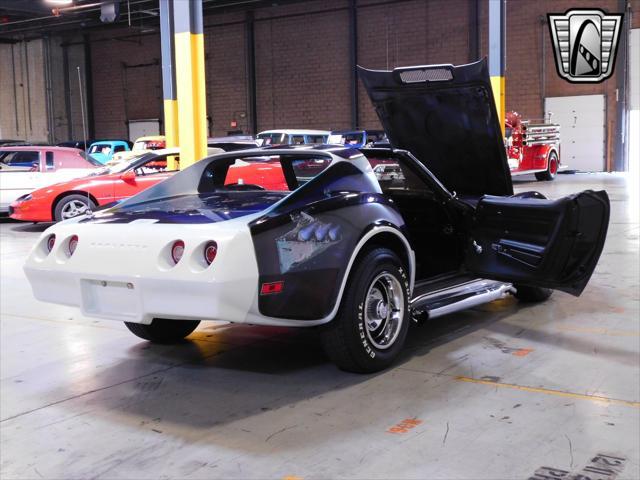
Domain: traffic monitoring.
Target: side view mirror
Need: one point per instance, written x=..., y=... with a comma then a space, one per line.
x=129, y=176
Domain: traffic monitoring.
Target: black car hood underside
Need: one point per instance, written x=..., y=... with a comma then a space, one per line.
x=446, y=117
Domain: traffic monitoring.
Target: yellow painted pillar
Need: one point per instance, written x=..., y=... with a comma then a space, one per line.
x=498, y=87
x=498, y=54
x=190, y=80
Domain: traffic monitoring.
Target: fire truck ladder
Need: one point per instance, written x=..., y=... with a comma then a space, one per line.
x=540, y=133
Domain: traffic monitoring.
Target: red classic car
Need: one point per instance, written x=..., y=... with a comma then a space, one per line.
x=532, y=147
x=112, y=184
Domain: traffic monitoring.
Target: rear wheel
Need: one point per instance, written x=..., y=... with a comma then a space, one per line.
x=163, y=330
x=530, y=294
x=370, y=329
x=71, y=206
x=552, y=168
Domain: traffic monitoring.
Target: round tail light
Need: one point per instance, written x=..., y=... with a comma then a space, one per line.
x=210, y=252
x=177, y=250
x=51, y=241
x=73, y=243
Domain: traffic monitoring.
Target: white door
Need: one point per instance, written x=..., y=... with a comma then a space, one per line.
x=581, y=120
x=143, y=128
x=634, y=102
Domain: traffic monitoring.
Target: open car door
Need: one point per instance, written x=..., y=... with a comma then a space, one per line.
x=545, y=243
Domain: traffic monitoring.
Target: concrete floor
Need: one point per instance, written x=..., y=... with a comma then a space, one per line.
x=497, y=392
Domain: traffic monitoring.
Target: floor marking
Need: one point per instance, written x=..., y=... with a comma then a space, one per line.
x=560, y=393
x=598, y=331
x=522, y=352
x=404, y=425
x=600, y=467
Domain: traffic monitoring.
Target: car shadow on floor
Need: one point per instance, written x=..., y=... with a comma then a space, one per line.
x=227, y=374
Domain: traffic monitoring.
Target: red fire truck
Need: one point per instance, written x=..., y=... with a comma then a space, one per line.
x=532, y=147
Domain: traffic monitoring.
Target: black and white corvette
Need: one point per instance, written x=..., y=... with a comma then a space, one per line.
x=333, y=247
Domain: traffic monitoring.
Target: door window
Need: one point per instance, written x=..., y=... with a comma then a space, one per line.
x=21, y=158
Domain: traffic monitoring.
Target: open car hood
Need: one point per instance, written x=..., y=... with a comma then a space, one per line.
x=446, y=117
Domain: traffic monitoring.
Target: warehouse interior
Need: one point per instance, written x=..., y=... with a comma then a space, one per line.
x=502, y=390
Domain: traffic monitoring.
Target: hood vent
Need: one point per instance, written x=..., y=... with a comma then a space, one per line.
x=426, y=75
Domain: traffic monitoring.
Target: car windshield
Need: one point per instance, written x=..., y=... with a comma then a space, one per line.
x=90, y=159
x=118, y=167
x=100, y=148
x=148, y=145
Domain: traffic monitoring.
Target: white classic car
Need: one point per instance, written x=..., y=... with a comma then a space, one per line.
x=25, y=169
x=317, y=241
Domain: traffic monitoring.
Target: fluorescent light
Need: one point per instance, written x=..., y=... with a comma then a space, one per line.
x=59, y=2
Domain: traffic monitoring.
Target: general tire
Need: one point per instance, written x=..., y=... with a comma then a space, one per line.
x=68, y=203
x=163, y=330
x=552, y=168
x=346, y=339
x=529, y=294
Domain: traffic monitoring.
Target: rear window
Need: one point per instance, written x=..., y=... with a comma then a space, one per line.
x=316, y=139
x=49, y=161
x=281, y=173
x=274, y=138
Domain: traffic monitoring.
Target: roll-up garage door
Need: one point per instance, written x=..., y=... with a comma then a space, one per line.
x=581, y=120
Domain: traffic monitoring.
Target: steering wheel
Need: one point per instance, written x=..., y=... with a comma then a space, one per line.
x=243, y=187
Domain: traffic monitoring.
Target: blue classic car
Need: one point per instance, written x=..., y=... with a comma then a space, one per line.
x=104, y=150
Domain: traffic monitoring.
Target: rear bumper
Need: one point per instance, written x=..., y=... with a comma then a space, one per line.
x=140, y=300
x=121, y=272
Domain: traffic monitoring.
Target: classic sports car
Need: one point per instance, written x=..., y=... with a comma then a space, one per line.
x=335, y=250
x=113, y=184
x=106, y=185
x=24, y=169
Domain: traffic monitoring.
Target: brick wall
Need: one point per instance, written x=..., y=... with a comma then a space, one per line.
x=302, y=69
x=127, y=83
x=226, y=75
x=409, y=33
x=302, y=62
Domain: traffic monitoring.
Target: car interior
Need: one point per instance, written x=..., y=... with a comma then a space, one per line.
x=439, y=249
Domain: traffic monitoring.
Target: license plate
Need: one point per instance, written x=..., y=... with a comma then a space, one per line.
x=109, y=299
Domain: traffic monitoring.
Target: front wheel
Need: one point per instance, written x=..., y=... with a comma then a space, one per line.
x=528, y=294
x=552, y=168
x=371, y=326
x=72, y=206
x=163, y=330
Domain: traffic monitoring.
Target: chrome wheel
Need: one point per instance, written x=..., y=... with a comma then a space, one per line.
x=73, y=208
x=383, y=310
